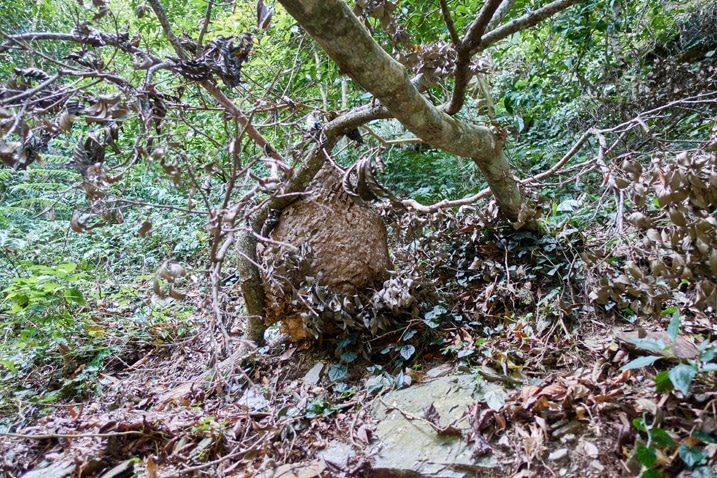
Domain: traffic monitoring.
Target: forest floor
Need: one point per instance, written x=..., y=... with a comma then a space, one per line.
x=195, y=407
x=147, y=421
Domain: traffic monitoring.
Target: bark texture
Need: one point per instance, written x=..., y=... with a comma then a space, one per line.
x=332, y=24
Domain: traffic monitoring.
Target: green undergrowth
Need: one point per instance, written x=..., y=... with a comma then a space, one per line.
x=62, y=326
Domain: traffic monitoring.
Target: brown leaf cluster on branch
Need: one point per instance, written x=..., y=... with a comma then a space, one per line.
x=675, y=235
x=383, y=11
x=222, y=57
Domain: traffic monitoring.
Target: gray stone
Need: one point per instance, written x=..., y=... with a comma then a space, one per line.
x=313, y=376
x=53, y=470
x=558, y=454
x=337, y=454
x=412, y=448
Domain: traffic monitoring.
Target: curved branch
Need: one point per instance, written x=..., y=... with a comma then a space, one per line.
x=161, y=14
x=445, y=204
x=212, y=88
x=332, y=24
x=446, y=12
x=28, y=93
x=470, y=42
x=526, y=21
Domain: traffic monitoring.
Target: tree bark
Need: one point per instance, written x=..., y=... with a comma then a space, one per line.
x=332, y=24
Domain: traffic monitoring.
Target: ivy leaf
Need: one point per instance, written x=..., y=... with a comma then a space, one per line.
x=705, y=437
x=691, y=455
x=409, y=334
x=495, y=399
x=646, y=456
x=703, y=472
x=681, y=377
x=432, y=317
x=407, y=351
x=640, y=362
x=338, y=372
x=349, y=356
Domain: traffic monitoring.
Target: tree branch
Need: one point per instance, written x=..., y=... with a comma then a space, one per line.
x=205, y=25
x=499, y=15
x=470, y=41
x=332, y=24
x=213, y=89
x=446, y=12
x=526, y=21
x=164, y=22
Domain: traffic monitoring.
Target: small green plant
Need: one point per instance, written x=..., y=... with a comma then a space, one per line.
x=47, y=293
x=693, y=451
x=650, y=455
x=318, y=408
x=681, y=375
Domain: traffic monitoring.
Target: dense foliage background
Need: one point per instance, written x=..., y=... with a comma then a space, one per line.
x=77, y=268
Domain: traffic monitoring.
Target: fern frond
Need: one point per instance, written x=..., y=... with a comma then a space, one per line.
x=56, y=174
x=38, y=187
x=55, y=159
x=29, y=202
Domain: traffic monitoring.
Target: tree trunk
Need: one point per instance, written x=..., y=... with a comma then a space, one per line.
x=332, y=24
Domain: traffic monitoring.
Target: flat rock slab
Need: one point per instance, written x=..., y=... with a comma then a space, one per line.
x=412, y=448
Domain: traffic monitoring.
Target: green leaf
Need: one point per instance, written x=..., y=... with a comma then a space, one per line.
x=67, y=267
x=409, y=334
x=407, y=351
x=705, y=437
x=663, y=384
x=640, y=362
x=708, y=355
x=674, y=328
x=681, y=377
x=646, y=456
x=649, y=344
x=661, y=438
x=703, y=472
x=349, y=356
x=74, y=295
x=709, y=367
x=639, y=423
x=652, y=474
x=691, y=455
x=338, y=372
x=432, y=317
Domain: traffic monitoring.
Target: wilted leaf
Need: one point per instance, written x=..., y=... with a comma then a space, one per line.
x=263, y=15
x=145, y=228
x=495, y=398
